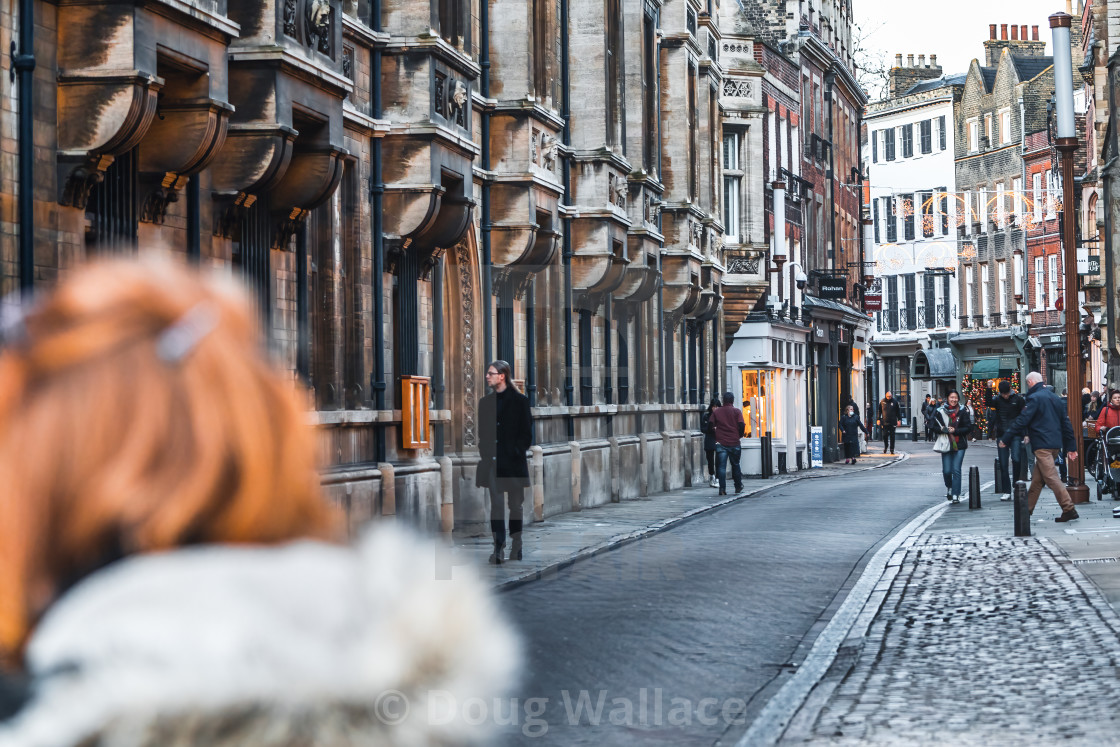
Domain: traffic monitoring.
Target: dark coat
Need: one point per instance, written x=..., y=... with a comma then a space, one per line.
x=960, y=431
x=1005, y=411
x=889, y=412
x=708, y=431
x=1045, y=420
x=850, y=426
x=505, y=433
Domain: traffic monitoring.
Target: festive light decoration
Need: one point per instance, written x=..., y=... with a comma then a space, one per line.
x=978, y=394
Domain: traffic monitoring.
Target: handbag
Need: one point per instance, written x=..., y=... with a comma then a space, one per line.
x=942, y=444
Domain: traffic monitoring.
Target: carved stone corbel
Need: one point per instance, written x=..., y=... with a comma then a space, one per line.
x=229, y=214
x=80, y=180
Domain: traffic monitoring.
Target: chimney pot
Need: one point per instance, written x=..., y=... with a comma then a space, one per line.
x=898, y=60
x=1034, y=33
x=921, y=60
x=933, y=60
x=992, y=31
x=1003, y=31
x=1014, y=33
x=1023, y=34
x=909, y=60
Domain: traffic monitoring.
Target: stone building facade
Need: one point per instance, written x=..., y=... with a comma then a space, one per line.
x=411, y=189
x=1003, y=102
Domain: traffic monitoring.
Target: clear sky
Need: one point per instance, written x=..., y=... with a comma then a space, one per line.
x=954, y=30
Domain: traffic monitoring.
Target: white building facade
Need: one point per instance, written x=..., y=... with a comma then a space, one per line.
x=909, y=158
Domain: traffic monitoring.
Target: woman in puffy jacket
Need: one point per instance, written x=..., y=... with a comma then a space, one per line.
x=955, y=422
x=850, y=426
x=171, y=572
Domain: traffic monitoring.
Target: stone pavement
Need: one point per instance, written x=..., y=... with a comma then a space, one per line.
x=974, y=636
x=561, y=540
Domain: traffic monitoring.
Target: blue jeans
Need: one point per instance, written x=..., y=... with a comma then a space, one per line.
x=722, y=454
x=1014, y=450
x=951, y=470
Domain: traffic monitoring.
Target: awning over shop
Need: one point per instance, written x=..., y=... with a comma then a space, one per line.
x=994, y=368
x=935, y=363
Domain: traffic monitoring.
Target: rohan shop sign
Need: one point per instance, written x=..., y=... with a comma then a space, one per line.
x=834, y=289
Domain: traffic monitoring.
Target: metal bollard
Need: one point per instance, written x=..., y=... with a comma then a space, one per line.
x=973, y=487
x=1000, y=488
x=1022, y=514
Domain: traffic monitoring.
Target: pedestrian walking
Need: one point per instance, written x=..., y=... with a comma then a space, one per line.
x=505, y=433
x=927, y=417
x=890, y=415
x=1003, y=409
x=170, y=570
x=954, y=422
x=710, y=441
x=850, y=426
x=1046, y=422
x=728, y=426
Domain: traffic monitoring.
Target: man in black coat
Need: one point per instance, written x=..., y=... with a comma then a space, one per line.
x=1002, y=411
x=505, y=433
x=889, y=417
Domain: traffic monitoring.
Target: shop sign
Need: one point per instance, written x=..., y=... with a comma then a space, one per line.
x=835, y=289
x=873, y=302
x=1082, y=261
x=820, y=333
x=1094, y=266
x=816, y=441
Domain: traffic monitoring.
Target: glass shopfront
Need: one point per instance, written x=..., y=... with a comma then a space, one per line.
x=761, y=395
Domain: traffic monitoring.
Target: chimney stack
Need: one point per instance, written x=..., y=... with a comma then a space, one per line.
x=992, y=31
x=921, y=60
x=1014, y=33
x=1003, y=31
x=909, y=60
x=1034, y=33
x=898, y=60
x=933, y=60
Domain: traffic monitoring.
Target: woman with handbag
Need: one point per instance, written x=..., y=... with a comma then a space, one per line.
x=952, y=424
x=850, y=426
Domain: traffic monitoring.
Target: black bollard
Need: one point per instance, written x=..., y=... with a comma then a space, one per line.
x=1000, y=488
x=973, y=487
x=1022, y=515
x=767, y=456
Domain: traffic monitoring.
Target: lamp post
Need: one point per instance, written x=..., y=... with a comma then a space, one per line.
x=779, y=254
x=1067, y=146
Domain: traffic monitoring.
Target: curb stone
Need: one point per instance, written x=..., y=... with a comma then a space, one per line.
x=624, y=539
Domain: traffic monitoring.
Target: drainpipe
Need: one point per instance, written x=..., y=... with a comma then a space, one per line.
x=487, y=298
x=23, y=66
x=194, y=220
x=438, y=386
x=566, y=134
x=377, y=193
x=829, y=82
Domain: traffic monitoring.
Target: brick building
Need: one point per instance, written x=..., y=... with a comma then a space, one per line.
x=1003, y=102
x=410, y=189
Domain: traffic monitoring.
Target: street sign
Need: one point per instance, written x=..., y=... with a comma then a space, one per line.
x=835, y=289
x=816, y=440
x=873, y=302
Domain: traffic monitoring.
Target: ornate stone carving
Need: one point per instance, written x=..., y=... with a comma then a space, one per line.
x=290, y=18
x=737, y=88
x=430, y=263
x=348, y=62
x=736, y=47
x=439, y=100
x=466, y=287
x=319, y=25
x=534, y=151
x=743, y=266
x=75, y=193
x=154, y=209
x=457, y=100
x=651, y=208
x=549, y=148
x=287, y=228
x=229, y=215
x=616, y=186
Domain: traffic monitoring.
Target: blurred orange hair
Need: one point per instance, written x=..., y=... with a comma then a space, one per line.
x=107, y=449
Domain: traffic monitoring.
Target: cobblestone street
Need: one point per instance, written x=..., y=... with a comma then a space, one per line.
x=981, y=640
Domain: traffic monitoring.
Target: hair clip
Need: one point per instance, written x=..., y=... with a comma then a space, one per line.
x=177, y=341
